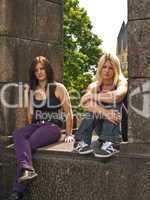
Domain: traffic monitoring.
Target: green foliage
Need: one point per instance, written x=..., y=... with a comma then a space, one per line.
x=81, y=47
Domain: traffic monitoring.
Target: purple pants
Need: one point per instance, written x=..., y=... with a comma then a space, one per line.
x=27, y=140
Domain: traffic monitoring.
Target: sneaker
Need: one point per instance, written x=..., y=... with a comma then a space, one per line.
x=27, y=175
x=107, y=150
x=82, y=148
x=15, y=196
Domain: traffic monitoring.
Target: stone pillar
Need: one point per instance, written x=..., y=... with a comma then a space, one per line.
x=139, y=76
x=27, y=28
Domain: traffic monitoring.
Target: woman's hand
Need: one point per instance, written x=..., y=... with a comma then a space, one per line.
x=112, y=115
x=69, y=138
x=88, y=97
x=85, y=99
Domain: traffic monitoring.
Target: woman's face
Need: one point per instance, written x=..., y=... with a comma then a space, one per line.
x=108, y=71
x=40, y=72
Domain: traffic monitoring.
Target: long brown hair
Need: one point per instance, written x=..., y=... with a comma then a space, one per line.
x=33, y=82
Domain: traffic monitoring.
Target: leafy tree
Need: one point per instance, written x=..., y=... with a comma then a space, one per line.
x=81, y=47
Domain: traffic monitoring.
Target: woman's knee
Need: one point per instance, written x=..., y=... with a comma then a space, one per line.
x=57, y=134
x=54, y=133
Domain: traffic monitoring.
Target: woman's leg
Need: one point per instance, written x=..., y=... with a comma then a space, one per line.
x=23, y=152
x=109, y=140
x=83, y=135
x=98, y=130
x=22, y=146
x=48, y=133
x=98, y=126
x=84, y=132
x=110, y=134
x=40, y=135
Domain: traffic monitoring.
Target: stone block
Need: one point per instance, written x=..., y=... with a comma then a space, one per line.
x=37, y=20
x=66, y=176
x=139, y=48
x=17, y=55
x=138, y=9
x=1, y=174
x=11, y=118
x=15, y=59
x=49, y=22
x=139, y=110
x=16, y=17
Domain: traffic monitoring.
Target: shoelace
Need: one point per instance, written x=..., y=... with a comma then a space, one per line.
x=107, y=146
x=81, y=145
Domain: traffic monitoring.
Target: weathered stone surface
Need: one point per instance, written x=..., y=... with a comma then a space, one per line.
x=138, y=9
x=15, y=59
x=17, y=55
x=66, y=176
x=16, y=17
x=49, y=21
x=11, y=118
x=37, y=20
x=56, y=1
x=1, y=181
x=139, y=48
x=139, y=110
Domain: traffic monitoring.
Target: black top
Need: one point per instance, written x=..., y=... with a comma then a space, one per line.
x=47, y=110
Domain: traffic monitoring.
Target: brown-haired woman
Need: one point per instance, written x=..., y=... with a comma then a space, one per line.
x=46, y=99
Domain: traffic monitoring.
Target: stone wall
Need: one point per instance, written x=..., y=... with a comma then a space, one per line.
x=68, y=176
x=123, y=177
x=27, y=28
x=139, y=75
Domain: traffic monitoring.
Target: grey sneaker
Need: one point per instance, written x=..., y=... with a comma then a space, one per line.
x=107, y=150
x=82, y=148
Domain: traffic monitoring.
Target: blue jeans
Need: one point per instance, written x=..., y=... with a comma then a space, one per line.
x=105, y=130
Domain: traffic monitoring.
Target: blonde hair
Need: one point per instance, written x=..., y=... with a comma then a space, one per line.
x=118, y=77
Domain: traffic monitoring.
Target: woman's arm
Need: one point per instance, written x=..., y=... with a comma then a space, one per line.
x=62, y=94
x=90, y=92
x=29, y=116
x=28, y=104
x=114, y=95
x=110, y=114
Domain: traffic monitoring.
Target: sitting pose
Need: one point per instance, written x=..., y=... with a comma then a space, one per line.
x=46, y=99
x=103, y=101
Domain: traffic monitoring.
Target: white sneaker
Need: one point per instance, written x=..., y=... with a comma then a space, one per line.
x=82, y=148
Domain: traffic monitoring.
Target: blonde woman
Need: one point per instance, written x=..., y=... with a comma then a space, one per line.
x=103, y=101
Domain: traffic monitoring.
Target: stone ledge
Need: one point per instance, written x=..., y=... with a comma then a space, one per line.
x=65, y=176
x=43, y=21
